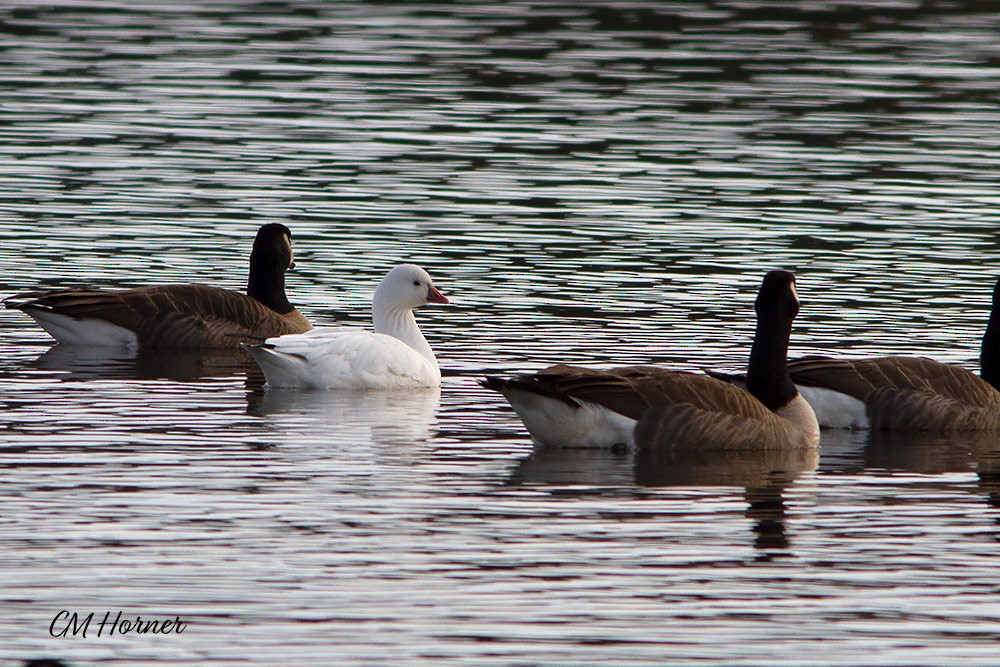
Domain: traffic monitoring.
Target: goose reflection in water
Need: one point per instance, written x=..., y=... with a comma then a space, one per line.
x=81, y=362
x=934, y=454
x=763, y=475
x=349, y=418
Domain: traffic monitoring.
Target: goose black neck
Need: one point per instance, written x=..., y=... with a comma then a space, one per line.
x=267, y=280
x=767, y=373
x=989, y=356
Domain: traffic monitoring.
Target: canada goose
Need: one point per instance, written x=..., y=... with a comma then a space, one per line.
x=570, y=406
x=903, y=393
x=177, y=315
x=395, y=356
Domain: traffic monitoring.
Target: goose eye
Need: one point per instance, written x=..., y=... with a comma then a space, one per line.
x=416, y=283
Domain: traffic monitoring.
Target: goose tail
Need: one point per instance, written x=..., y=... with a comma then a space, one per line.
x=280, y=369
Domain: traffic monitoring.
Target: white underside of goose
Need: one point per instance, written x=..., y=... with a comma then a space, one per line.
x=834, y=409
x=558, y=424
x=72, y=331
x=344, y=359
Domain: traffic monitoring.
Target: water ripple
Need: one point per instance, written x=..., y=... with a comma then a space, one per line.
x=587, y=184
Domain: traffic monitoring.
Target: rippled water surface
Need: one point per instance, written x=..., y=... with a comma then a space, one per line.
x=589, y=182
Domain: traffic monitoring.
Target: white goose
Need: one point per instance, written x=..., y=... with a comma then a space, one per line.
x=395, y=356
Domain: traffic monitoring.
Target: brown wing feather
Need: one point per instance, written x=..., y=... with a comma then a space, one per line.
x=631, y=390
x=862, y=377
x=673, y=409
x=683, y=426
x=172, y=315
x=906, y=409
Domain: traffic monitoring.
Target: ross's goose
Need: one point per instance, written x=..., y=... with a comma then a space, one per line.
x=395, y=356
x=181, y=315
x=580, y=407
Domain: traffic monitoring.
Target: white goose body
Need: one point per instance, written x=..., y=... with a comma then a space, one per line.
x=344, y=359
x=393, y=356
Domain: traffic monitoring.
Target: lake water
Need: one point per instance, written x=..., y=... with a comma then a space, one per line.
x=588, y=182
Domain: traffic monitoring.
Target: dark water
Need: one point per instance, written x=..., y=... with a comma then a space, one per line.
x=589, y=182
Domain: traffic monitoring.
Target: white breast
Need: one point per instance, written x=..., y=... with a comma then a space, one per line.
x=801, y=414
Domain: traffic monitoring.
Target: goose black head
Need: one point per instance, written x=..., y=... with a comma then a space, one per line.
x=270, y=258
x=777, y=295
x=273, y=246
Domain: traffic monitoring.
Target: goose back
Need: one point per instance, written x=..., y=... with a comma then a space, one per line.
x=895, y=409
x=861, y=377
x=907, y=393
x=632, y=390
